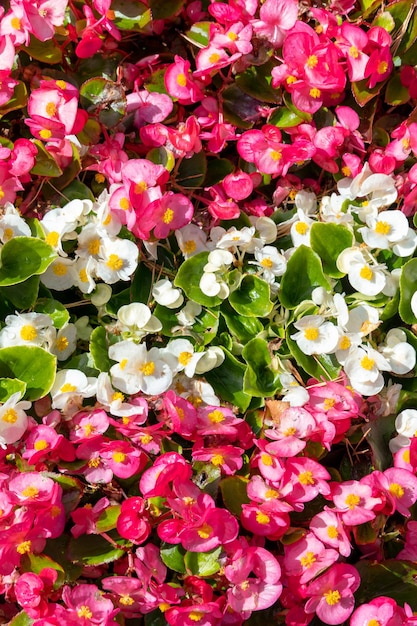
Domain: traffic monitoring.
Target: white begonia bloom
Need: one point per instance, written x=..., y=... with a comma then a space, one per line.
x=119, y=259
x=347, y=341
x=406, y=427
x=27, y=329
x=90, y=241
x=271, y=262
x=65, y=342
x=365, y=277
x=234, y=238
x=363, y=319
x=187, y=359
x=71, y=386
x=12, y=225
x=13, y=419
x=300, y=229
x=293, y=392
x=139, y=370
x=84, y=270
x=219, y=261
x=211, y=282
x=212, y=285
x=101, y=295
x=195, y=390
x=136, y=320
x=191, y=240
x=363, y=366
x=165, y=294
x=400, y=355
x=76, y=211
x=315, y=336
x=187, y=316
x=60, y=275
x=212, y=358
x=104, y=217
x=114, y=401
x=379, y=190
x=413, y=303
x=406, y=247
x=331, y=304
x=265, y=228
x=387, y=228
x=306, y=201
x=332, y=210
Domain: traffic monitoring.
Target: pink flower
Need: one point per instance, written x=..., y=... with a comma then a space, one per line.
x=354, y=502
x=32, y=591
x=205, y=614
x=268, y=519
x=277, y=17
x=155, y=480
x=379, y=66
x=44, y=15
x=179, y=84
x=149, y=107
x=328, y=527
x=330, y=596
x=89, y=605
x=87, y=425
x=133, y=522
x=85, y=518
x=382, y=611
x=307, y=478
x=307, y=557
x=227, y=458
x=44, y=443
x=171, y=212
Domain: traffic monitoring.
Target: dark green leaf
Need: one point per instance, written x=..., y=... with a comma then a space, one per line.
x=45, y=164
x=252, y=297
x=408, y=286
x=33, y=365
x=99, y=349
x=95, y=550
x=363, y=94
x=56, y=311
x=131, y=14
x=255, y=84
x=164, y=9
x=37, y=562
x=217, y=169
x=173, y=557
x=57, y=550
x=22, y=257
x=260, y=378
x=104, y=98
x=17, y=101
x=199, y=33
x=46, y=51
x=23, y=295
x=203, y=563
x=284, y=118
x=318, y=366
x=304, y=273
x=108, y=518
x=192, y=172
x=328, y=240
x=244, y=328
x=234, y=493
x=227, y=381
x=396, y=93
x=392, y=578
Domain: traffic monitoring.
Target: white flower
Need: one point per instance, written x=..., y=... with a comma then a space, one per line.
x=27, y=329
x=405, y=247
x=65, y=342
x=71, y=386
x=212, y=285
x=234, y=238
x=187, y=316
x=332, y=210
x=114, y=401
x=166, y=295
x=13, y=419
x=213, y=357
x=315, y=336
x=364, y=276
x=211, y=282
x=136, y=320
x=300, y=229
x=191, y=240
x=101, y=295
x=187, y=359
x=271, y=262
x=306, y=201
x=12, y=225
x=119, y=259
x=139, y=370
x=219, y=261
x=379, y=190
x=363, y=366
x=406, y=426
x=60, y=275
x=195, y=390
x=293, y=392
x=84, y=270
x=387, y=228
x=400, y=355
x=363, y=319
x=266, y=228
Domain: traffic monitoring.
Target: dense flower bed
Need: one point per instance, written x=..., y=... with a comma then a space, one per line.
x=208, y=301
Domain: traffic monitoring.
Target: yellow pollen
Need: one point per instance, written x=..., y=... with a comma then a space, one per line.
x=41, y=444
x=84, y=611
x=8, y=232
x=24, y=547
x=217, y=459
x=291, y=80
x=406, y=144
x=185, y=357
x=352, y=500
x=55, y=511
x=107, y=220
x=262, y=518
x=28, y=332
x=164, y=606
x=319, y=29
x=276, y=155
x=267, y=263
x=315, y=93
x=301, y=228
x=51, y=109
x=213, y=58
x=196, y=616
x=30, y=492
x=205, y=531
x=353, y=52
x=59, y=269
x=308, y=560
x=367, y=363
x=396, y=490
x=15, y=23
x=406, y=455
x=344, y=343
x=115, y=263
x=148, y=368
x=311, y=333
x=94, y=462
x=290, y=431
x=188, y=247
x=123, y=364
x=119, y=457
x=168, y=216
x=126, y=600
x=332, y=532
x=232, y=36
x=117, y=396
x=266, y=459
x=68, y=388
x=52, y=238
x=99, y=178
x=328, y=403
x=94, y=246
x=140, y=187
x=89, y=429
x=83, y=275
x=216, y=417
x=271, y=494
x=382, y=67
x=145, y=439
x=366, y=273
x=346, y=171
x=45, y=133
x=62, y=344
x=125, y=420
x=382, y=228
x=306, y=478
x=61, y=84
x=124, y=203
x=180, y=413
x=181, y=80
x=9, y=416
x=374, y=622
x=312, y=61
x=332, y=597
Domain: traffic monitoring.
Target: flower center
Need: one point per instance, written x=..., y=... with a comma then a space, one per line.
x=353, y=52
x=41, y=444
x=308, y=560
x=30, y=492
x=52, y=238
x=59, y=269
x=396, y=490
x=196, y=616
x=216, y=417
x=119, y=457
x=114, y=263
x=181, y=80
x=382, y=67
x=94, y=246
x=84, y=611
x=45, y=133
x=168, y=216
x=148, y=368
x=311, y=333
x=312, y=61
x=301, y=228
x=189, y=246
x=332, y=597
x=352, y=500
x=276, y=155
x=68, y=388
x=315, y=93
x=382, y=228
x=9, y=416
x=344, y=343
x=51, y=109
x=24, y=547
x=126, y=600
x=217, y=459
x=185, y=357
x=367, y=363
x=205, y=531
x=262, y=518
x=62, y=344
x=28, y=332
x=332, y=532
x=267, y=263
x=306, y=478
x=328, y=403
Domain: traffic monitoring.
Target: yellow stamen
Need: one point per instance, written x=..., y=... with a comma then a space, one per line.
x=367, y=363
x=311, y=333
x=114, y=263
x=148, y=368
x=168, y=216
x=306, y=478
x=59, y=269
x=308, y=560
x=52, y=238
x=9, y=416
x=332, y=597
x=28, y=332
x=382, y=228
x=216, y=417
x=301, y=228
x=262, y=518
x=352, y=500
x=205, y=531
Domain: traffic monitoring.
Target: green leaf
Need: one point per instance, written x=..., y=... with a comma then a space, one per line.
x=188, y=278
x=252, y=297
x=362, y=93
x=32, y=365
x=285, y=118
x=203, y=563
x=108, y=518
x=99, y=349
x=392, y=578
x=255, y=84
x=244, y=328
x=173, y=557
x=307, y=117
x=70, y=172
x=131, y=14
x=22, y=257
x=105, y=99
x=408, y=286
x=21, y=619
x=141, y=287
x=95, y=550
x=304, y=273
x=9, y=386
x=17, y=101
x=400, y=12
x=22, y=295
x=260, y=378
x=396, y=93
x=37, y=562
x=318, y=366
x=234, y=493
x=90, y=134
x=155, y=618
x=199, y=34
x=240, y=108
x=328, y=240
x=164, y=9
x=45, y=164
x=217, y=169
x=72, y=489
x=227, y=381
x=385, y=20
x=57, y=549
x=162, y=156
x=192, y=172
x=56, y=311
x=46, y=51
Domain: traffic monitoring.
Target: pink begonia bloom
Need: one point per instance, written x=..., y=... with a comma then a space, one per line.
x=33, y=591
x=222, y=207
x=397, y=488
x=96, y=469
x=179, y=83
x=206, y=614
x=269, y=519
x=252, y=593
x=33, y=489
x=351, y=41
x=7, y=89
x=7, y=54
x=227, y=458
x=44, y=15
x=148, y=564
x=269, y=463
x=141, y=177
x=238, y=185
x=216, y=420
x=9, y=185
x=328, y=527
x=277, y=17
x=122, y=458
x=44, y=443
x=133, y=522
x=382, y=611
x=16, y=25
x=182, y=415
x=172, y=211
x=88, y=604
x=22, y=159
x=354, y=502
x=265, y=149
x=237, y=38
x=85, y=518
x=56, y=101
x=86, y=425
x=155, y=481
x=307, y=478
x=111, y=157
x=291, y=433
x=331, y=595
x=17, y=541
x=307, y=557
x=184, y=140
x=409, y=552
x=149, y=107
x=379, y=66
